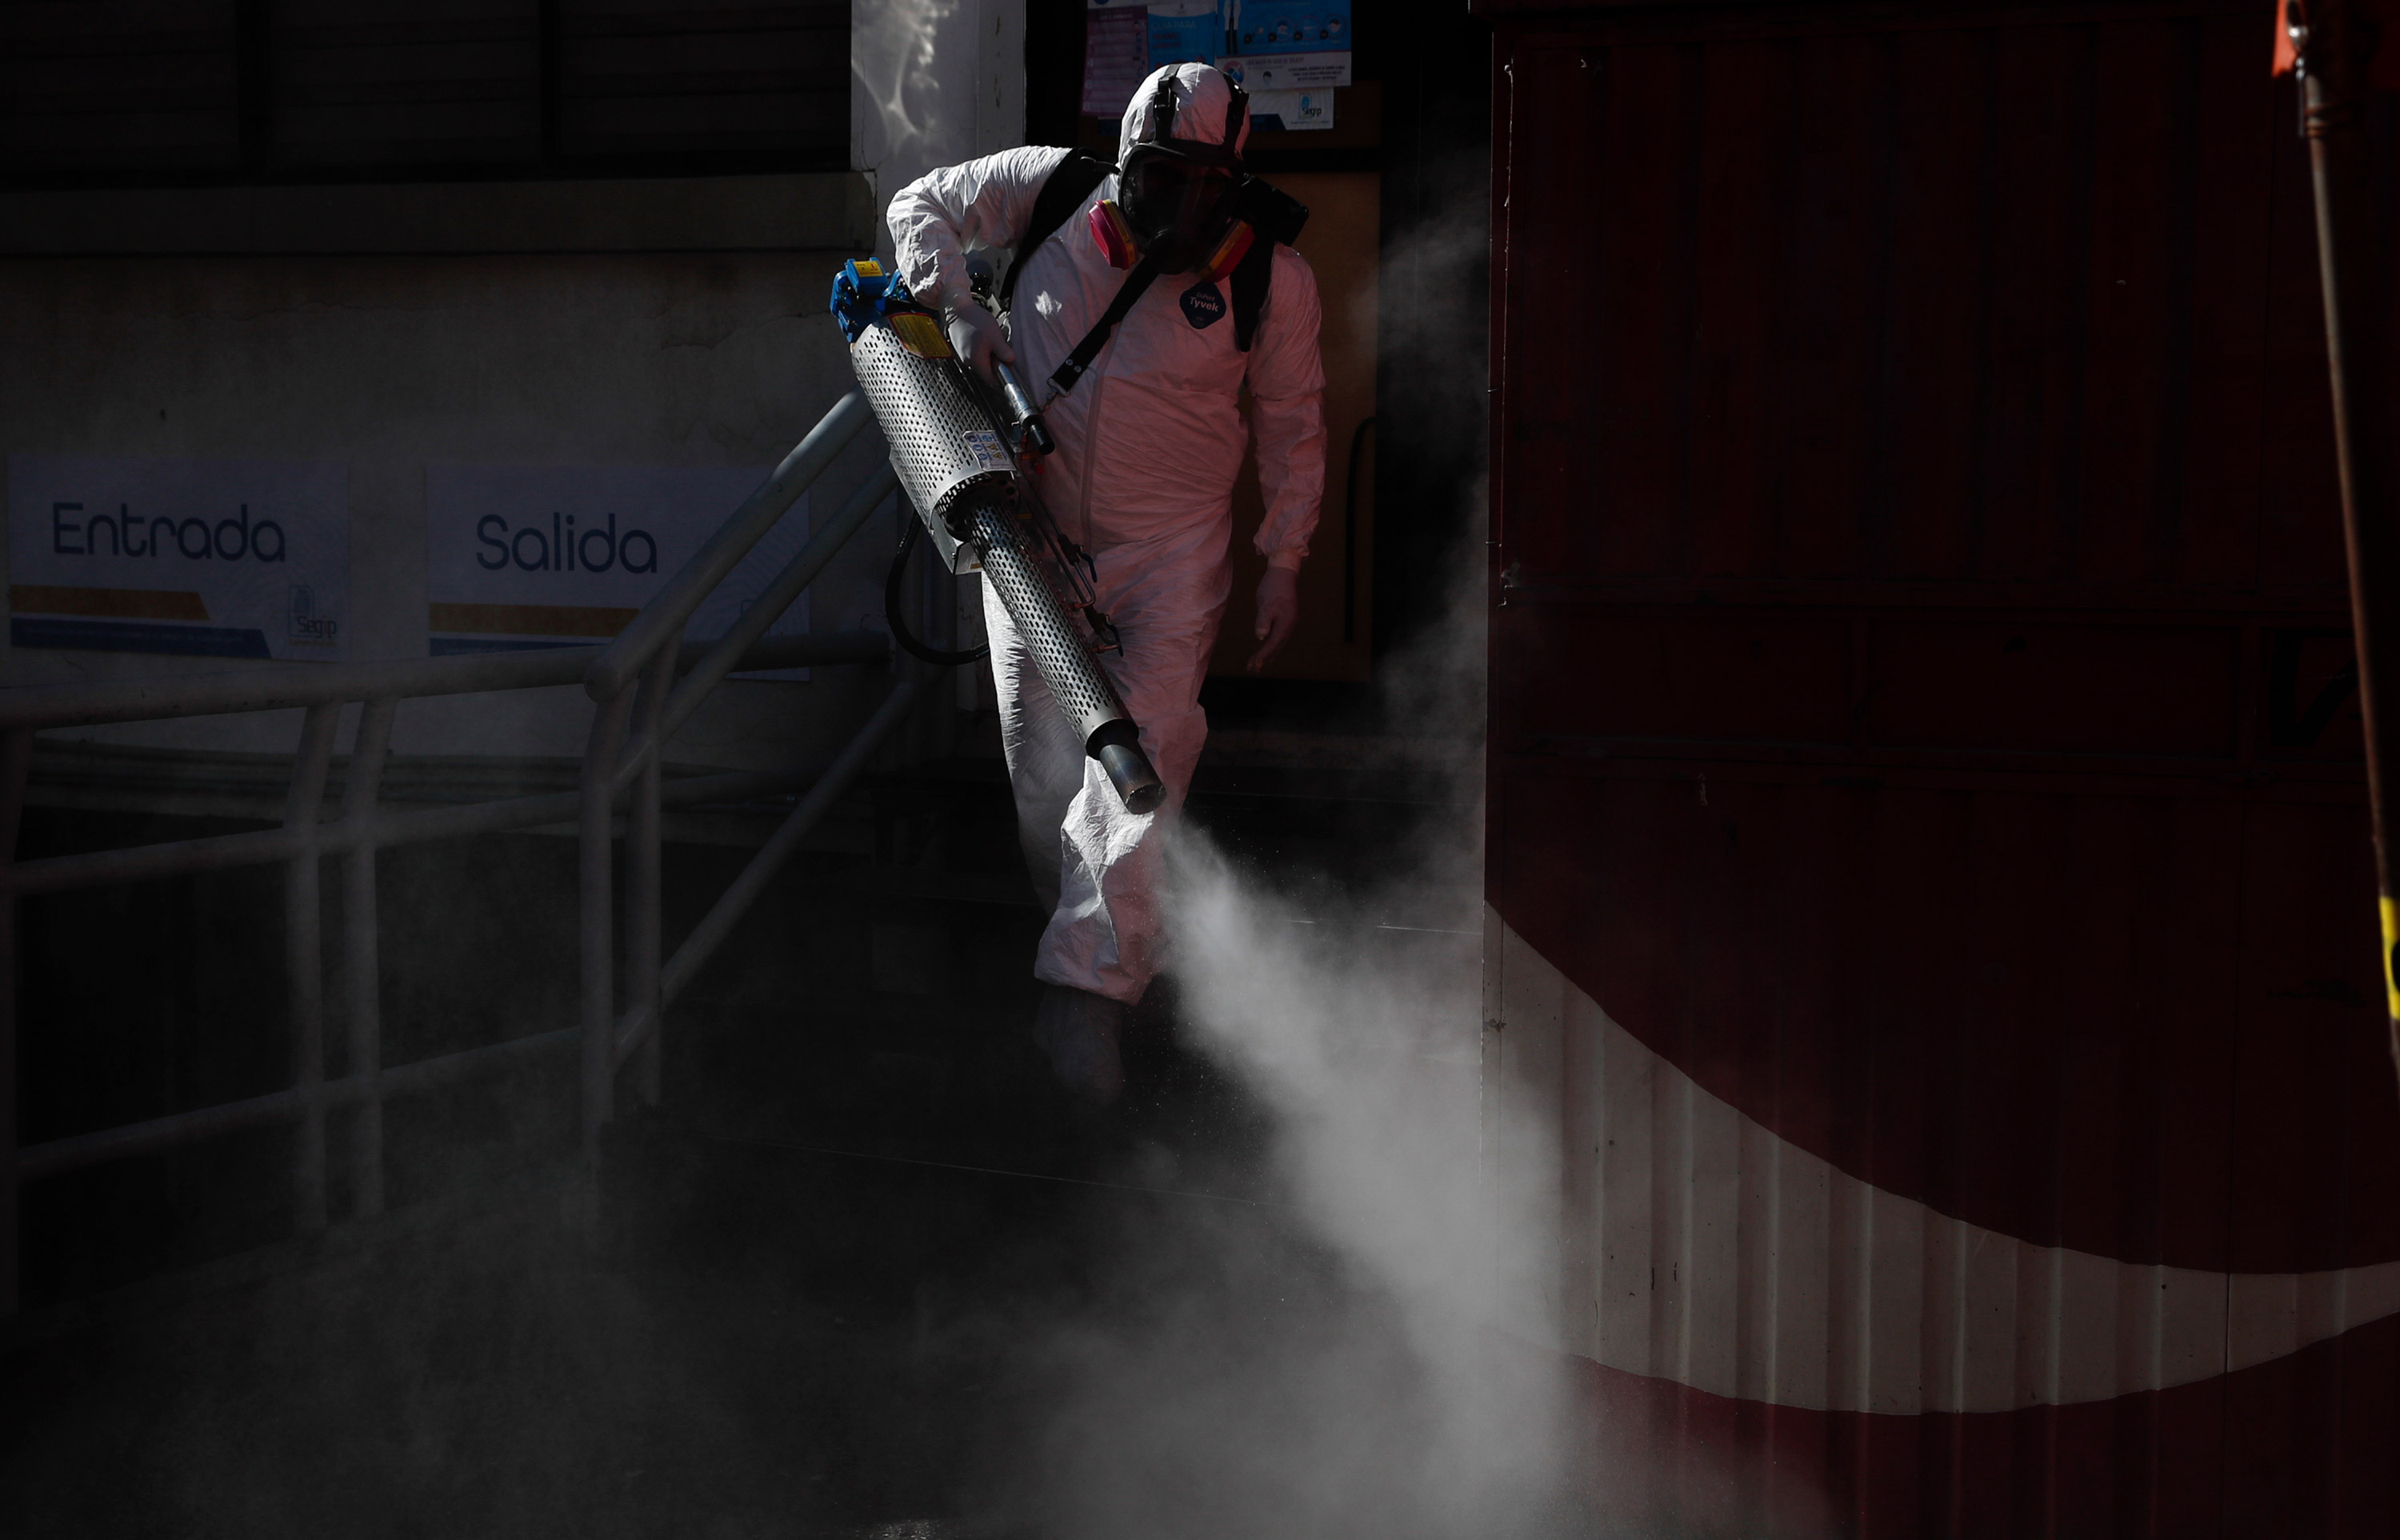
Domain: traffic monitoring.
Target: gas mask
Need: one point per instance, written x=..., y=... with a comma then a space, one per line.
x=1179, y=208
x=1180, y=195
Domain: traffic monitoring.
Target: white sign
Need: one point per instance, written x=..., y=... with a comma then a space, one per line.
x=1287, y=72
x=1290, y=111
x=527, y=556
x=214, y=558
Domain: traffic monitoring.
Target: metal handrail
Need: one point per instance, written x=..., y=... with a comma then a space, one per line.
x=60, y=1156
x=278, y=687
x=664, y=616
x=823, y=542
x=639, y=1024
x=348, y=834
x=726, y=654
x=639, y=705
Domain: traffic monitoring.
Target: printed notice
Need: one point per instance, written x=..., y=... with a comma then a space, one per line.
x=1116, y=55
x=1184, y=31
x=1273, y=111
x=1257, y=72
x=1292, y=26
x=207, y=558
x=531, y=556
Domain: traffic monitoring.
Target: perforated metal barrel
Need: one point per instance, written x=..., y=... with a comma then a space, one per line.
x=943, y=446
x=955, y=469
x=1076, y=682
x=1083, y=692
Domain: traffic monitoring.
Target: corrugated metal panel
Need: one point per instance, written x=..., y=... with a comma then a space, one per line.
x=1985, y=304
x=1946, y=1103
x=1926, y=829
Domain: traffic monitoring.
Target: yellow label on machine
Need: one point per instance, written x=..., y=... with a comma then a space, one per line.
x=921, y=334
x=2391, y=943
x=868, y=268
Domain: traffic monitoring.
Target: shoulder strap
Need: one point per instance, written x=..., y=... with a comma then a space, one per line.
x=1060, y=196
x=1136, y=283
x=1279, y=218
x=1252, y=276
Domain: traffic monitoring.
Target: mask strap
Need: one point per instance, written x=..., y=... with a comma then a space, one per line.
x=1161, y=118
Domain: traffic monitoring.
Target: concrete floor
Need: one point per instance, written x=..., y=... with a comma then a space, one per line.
x=864, y=1272
x=769, y=1341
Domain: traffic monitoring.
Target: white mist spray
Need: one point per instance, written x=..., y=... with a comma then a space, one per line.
x=1394, y=1384
x=1362, y=1039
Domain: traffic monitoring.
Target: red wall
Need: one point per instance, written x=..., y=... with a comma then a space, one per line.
x=1917, y=703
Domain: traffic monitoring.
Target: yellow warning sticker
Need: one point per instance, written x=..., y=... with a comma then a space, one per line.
x=868, y=268
x=921, y=334
x=2391, y=941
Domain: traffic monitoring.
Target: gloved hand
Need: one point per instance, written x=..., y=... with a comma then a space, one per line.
x=975, y=333
x=1278, y=611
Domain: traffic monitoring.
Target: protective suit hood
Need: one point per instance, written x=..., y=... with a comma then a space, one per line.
x=1202, y=94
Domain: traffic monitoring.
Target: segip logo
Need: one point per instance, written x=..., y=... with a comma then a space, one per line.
x=309, y=621
x=530, y=547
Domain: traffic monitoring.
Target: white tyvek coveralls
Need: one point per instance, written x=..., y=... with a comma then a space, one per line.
x=1150, y=443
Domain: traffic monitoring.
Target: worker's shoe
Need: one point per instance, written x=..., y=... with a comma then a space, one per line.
x=1078, y=1031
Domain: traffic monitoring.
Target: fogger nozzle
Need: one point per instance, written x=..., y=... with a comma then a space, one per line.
x=1118, y=748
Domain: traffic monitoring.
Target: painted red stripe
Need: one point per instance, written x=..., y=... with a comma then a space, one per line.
x=2140, y=1028
x=2295, y=1447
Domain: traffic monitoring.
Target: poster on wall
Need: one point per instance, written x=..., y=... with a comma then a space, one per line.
x=1289, y=56
x=531, y=556
x=1290, y=26
x=1123, y=42
x=1262, y=73
x=206, y=558
x=1116, y=54
x=1182, y=31
x=1290, y=111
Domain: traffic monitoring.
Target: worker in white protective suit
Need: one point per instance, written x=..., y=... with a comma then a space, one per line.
x=1150, y=441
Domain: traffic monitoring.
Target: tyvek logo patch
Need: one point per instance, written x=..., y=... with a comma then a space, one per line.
x=1202, y=306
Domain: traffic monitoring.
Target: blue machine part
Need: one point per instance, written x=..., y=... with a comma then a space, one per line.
x=862, y=292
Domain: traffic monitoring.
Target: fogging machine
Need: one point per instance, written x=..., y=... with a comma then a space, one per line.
x=963, y=454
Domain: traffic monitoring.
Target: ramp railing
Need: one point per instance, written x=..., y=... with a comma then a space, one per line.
x=642, y=690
